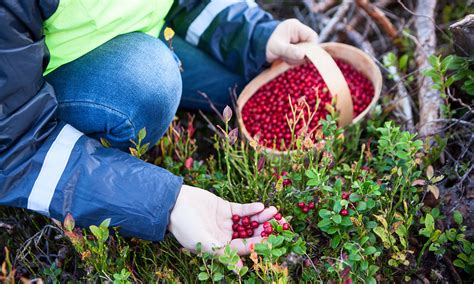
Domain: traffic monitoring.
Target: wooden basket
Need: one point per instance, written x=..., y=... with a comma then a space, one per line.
x=322, y=57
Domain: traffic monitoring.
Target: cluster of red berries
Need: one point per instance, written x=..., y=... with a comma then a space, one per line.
x=266, y=112
x=243, y=227
x=346, y=195
x=286, y=181
x=306, y=207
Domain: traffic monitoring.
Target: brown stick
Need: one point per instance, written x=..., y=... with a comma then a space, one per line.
x=379, y=17
x=330, y=27
x=429, y=99
x=359, y=17
x=322, y=6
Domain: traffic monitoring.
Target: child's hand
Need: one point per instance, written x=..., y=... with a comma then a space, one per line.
x=281, y=44
x=200, y=216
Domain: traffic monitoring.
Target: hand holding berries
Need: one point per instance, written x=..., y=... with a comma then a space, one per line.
x=201, y=217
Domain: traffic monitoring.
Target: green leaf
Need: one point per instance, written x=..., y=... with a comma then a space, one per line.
x=403, y=62
x=335, y=241
x=95, y=231
x=218, y=276
x=276, y=241
x=203, y=276
x=361, y=206
x=346, y=221
x=463, y=256
x=457, y=216
x=370, y=203
x=324, y=223
x=141, y=134
x=243, y=271
x=105, y=223
x=324, y=213
x=429, y=222
x=331, y=230
x=337, y=219
x=370, y=250
x=278, y=252
x=459, y=263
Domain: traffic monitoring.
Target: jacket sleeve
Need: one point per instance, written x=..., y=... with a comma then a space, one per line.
x=235, y=32
x=48, y=166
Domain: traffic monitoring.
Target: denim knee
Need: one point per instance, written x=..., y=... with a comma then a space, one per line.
x=129, y=83
x=157, y=88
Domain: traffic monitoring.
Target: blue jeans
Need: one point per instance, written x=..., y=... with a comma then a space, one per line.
x=133, y=81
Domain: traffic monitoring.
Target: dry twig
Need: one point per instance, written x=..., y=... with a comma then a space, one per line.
x=320, y=7
x=331, y=25
x=379, y=17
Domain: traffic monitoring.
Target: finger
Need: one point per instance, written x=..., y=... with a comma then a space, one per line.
x=247, y=209
x=243, y=245
x=305, y=34
x=293, y=54
x=265, y=215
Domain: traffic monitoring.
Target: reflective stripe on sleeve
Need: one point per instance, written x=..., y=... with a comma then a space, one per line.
x=52, y=169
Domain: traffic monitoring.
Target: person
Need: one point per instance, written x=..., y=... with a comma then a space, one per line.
x=72, y=72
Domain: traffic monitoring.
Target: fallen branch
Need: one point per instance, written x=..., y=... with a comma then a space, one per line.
x=354, y=22
x=379, y=17
x=331, y=25
x=429, y=99
x=320, y=7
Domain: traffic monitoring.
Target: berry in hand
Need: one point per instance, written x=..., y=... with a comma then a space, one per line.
x=235, y=218
x=278, y=216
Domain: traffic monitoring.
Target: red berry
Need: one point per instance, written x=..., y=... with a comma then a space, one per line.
x=301, y=204
x=240, y=228
x=286, y=226
x=344, y=212
x=243, y=234
x=311, y=205
x=235, y=227
x=278, y=216
x=235, y=218
x=305, y=209
x=245, y=220
x=345, y=195
x=254, y=224
x=235, y=235
x=263, y=234
x=249, y=232
x=268, y=230
x=266, y=224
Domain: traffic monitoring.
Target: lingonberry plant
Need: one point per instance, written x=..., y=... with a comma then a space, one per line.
x=349, y=205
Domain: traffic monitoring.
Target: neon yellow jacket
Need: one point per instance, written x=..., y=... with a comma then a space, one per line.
x=79, y=26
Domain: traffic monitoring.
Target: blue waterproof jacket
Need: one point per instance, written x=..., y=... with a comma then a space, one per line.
x=50, y=167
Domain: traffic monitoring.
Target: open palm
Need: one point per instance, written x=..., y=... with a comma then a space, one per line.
x=201, y=217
